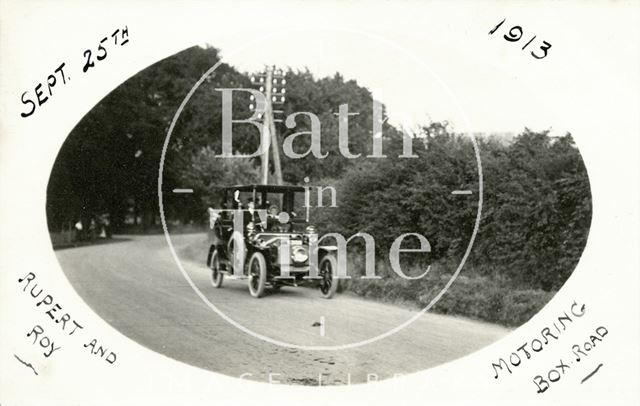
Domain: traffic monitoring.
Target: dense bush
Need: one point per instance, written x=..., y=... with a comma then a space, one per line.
x=535, y=221
x=535, y=216
x=477, y=297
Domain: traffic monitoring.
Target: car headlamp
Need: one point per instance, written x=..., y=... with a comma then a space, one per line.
x=299, y=254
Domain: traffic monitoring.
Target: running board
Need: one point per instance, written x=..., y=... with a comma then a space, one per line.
x=234, y=277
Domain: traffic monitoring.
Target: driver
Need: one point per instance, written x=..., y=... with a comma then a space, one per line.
x=272, y=219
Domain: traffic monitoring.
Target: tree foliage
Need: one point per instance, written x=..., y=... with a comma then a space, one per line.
x=535, y=215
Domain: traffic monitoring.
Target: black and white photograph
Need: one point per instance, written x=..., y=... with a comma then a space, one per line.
x=309, y=203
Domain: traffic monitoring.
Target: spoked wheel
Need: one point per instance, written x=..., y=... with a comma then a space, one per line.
x=216, y=275
x=257, y=274
x=328, y=270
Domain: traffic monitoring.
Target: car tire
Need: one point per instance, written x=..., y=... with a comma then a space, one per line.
x=257, y=274
x=328, y=269
x=216, y=275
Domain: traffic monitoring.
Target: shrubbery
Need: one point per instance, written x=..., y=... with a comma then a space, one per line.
x=475, y=296
x=535, y=221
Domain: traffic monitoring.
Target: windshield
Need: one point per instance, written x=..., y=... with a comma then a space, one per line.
x=287, y=201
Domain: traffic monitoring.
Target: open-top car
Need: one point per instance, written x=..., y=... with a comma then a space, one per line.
x=262, y=233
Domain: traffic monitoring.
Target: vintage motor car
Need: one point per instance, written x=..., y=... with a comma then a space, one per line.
x=275, y=228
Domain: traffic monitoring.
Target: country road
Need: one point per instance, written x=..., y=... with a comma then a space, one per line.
x=134, y=284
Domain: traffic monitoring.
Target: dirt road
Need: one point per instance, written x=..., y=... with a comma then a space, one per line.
x=135, y=285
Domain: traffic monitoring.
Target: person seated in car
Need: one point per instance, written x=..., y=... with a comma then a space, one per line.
x=251, y=208
x=272, y=218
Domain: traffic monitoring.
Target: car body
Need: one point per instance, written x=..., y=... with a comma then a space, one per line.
x=274, y=240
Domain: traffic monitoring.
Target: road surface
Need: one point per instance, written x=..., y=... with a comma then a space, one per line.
x=135, y=285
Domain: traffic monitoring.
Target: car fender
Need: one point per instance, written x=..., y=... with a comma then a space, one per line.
x=213, y=247
x=326, y=249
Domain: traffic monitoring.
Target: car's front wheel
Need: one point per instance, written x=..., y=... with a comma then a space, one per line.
x=214, y=265
x=257, y=274
x=328, y=271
